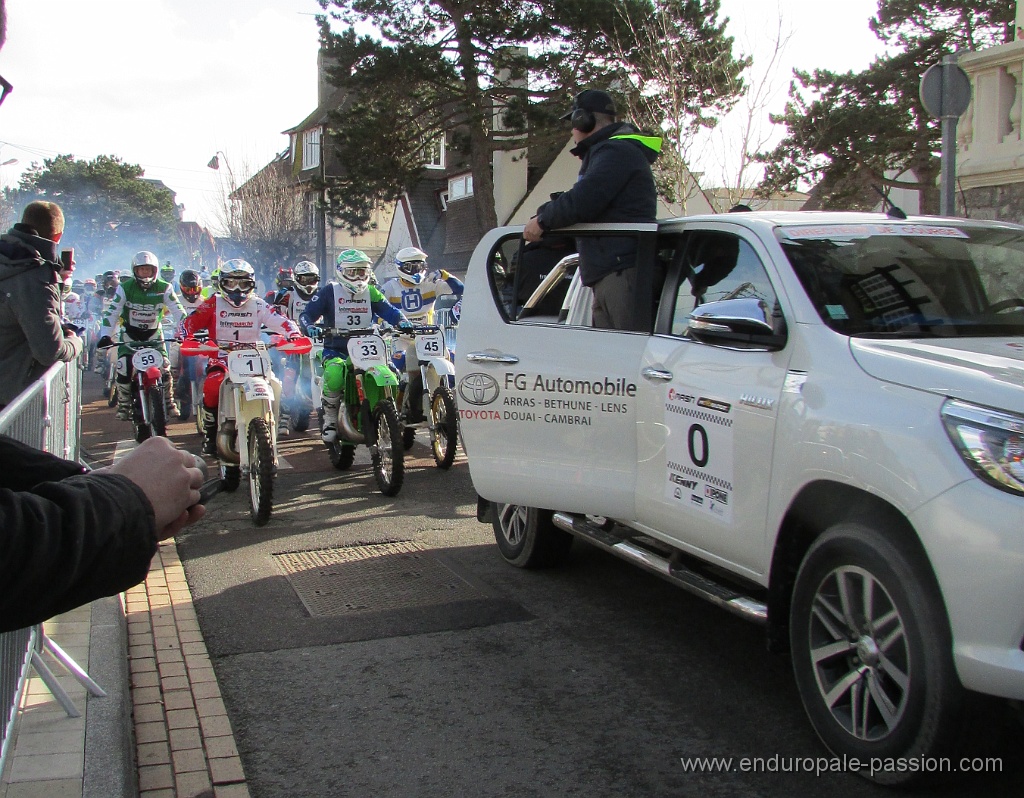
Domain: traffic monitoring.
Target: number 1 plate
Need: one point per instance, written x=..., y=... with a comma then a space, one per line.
x=244, y=364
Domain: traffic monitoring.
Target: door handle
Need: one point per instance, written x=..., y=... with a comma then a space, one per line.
x=656, y=375
x=491, y=357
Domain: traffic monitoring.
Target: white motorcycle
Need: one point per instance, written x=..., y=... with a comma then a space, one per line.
x=247, y=413
x=430, y=403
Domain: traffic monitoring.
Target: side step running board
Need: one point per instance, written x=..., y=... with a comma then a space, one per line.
x=676, y=572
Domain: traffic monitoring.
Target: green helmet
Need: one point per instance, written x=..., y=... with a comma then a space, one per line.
x=353, y=268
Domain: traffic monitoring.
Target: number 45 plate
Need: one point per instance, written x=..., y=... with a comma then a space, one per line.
x=429, y=345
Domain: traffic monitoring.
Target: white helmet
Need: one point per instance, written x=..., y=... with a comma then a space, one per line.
x=306, y=277
x=145, y=259
x=411, y=263
x=353, y=267
x=237, y=282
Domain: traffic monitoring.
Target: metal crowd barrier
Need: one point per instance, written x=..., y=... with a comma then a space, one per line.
x=46, y=415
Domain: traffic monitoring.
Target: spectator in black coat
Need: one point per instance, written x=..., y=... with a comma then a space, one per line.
x=615, y=184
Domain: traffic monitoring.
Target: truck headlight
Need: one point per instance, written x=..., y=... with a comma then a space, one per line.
x=990, y=441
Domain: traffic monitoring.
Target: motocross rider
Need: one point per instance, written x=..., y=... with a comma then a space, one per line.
x=192, y=296
x=233, y=314
x=415, y=294
x=295, y=289
x=351, y=303
x=139, y=305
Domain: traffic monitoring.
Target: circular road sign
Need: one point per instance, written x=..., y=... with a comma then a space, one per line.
x=945, y=90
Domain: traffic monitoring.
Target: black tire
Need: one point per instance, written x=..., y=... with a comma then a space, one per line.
x=388, y=455
x=112, y=394
x=444, y=418
x=527, y=538
x=298, y=419
x=261, y=471
x=872, y=650
x=230, y=478
x=342, y=455
x=199, y=418
x=142, y=430
x=408, y=437
x=185, y=407
x=157, y=410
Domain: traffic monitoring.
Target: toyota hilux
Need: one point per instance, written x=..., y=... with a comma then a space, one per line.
x=816, y=422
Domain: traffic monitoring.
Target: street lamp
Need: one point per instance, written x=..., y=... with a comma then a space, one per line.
x=230, y=199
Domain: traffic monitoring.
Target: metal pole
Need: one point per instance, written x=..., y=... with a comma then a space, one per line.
x=947, y=199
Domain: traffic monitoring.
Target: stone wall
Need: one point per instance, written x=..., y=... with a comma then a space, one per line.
x=1004, y=202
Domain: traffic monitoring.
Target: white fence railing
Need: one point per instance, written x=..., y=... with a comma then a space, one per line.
x=46, y=415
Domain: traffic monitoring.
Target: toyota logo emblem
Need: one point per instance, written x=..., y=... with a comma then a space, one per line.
x=478, y=389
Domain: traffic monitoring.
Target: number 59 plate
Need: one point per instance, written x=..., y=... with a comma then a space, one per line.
x=143, y=359
x=367, y=350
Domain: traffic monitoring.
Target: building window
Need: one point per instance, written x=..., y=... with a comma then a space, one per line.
x=433, y=154
x=460, y=187
x=311, y=210
x=311, y=148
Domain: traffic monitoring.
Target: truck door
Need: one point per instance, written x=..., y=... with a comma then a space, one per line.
x=708, y=410
x=548, y=409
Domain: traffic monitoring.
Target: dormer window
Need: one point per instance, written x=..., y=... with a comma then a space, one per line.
x=433, y=154
x=311, y=148
x=460, y=187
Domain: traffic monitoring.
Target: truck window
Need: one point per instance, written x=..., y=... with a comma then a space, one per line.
x=719, y=266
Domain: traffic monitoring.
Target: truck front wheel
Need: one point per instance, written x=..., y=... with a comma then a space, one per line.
x=872, y=651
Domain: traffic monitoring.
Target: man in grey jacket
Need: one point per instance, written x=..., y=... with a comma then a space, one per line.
x=31, y=336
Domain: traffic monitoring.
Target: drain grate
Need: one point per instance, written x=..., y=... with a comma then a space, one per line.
x=372, y=578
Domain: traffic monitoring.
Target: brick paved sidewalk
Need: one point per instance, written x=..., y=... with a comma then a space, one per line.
x=185, y=746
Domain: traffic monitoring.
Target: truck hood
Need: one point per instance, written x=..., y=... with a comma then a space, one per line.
x=985, y=371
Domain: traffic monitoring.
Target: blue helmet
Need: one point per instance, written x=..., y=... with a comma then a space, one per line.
x=412, y=264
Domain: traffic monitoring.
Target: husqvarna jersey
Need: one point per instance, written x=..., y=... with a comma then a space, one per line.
x=417, y=301
x=140, y=310
x=335, y=307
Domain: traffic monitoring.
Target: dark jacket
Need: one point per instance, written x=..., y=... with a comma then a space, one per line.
x=615, y=184
x=66, y=538
x=31, y=339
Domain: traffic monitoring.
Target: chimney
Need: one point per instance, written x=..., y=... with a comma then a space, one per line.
x=323, y=88
x=509, y=165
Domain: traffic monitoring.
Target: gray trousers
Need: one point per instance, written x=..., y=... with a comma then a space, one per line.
x=614, y=300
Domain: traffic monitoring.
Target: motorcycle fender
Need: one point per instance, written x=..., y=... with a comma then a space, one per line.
x=151, y=377
x=443, y=367
x=382, y=375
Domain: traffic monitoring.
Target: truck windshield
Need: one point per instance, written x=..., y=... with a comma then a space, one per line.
x=911, y=280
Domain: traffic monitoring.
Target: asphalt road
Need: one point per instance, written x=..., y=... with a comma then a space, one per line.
x=442, y=671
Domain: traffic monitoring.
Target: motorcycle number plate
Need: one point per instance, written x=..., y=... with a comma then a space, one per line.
x=258, y=389
x=430, y=345
x=367, y=350
x=244, y=364
x=143, y=359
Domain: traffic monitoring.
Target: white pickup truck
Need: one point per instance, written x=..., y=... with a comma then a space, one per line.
x=818, y=424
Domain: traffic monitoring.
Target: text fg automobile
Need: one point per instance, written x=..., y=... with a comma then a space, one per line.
x=818, y=424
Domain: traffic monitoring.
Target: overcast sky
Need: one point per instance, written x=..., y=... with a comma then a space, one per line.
x=167, y=83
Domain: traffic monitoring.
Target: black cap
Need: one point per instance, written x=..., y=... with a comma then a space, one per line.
x=593, y=100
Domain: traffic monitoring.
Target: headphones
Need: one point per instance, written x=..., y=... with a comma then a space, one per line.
x=582, y=120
